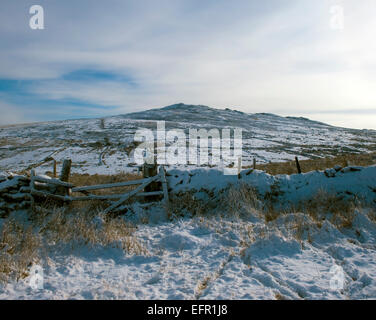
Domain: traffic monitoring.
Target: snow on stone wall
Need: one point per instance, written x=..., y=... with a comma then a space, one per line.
x=14, y=193
x=356, y=182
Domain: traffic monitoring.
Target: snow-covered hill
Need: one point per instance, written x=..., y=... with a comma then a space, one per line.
x=219, y=239
x=95, y=148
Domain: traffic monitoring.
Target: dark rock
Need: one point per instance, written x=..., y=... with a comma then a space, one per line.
x=330, y=173
x=25, y=189
x=337, y=168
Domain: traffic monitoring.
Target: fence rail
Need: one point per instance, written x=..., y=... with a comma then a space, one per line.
x=110, y=185
x=42, y=187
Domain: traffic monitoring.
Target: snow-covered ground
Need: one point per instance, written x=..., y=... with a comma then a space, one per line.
x=227, y=255
x=220, y=254
x=94, y=148
x=215, y=259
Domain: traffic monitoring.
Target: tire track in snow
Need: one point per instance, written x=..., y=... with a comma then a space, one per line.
x=210, y=280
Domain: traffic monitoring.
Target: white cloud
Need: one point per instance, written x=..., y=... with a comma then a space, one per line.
x=277, y=57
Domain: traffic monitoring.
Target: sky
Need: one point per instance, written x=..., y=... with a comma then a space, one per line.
x=99, y=58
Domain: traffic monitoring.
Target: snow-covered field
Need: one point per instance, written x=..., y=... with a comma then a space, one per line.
x=106, y=149
x=225, y=253
x=195, y=259
x=219, y=244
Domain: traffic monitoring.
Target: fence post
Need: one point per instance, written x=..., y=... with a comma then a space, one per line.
x=64, y=175
x=148, y=171
x=32, y=174
x=298, y=165
x=162, y=172
x=54, y=169
x=239, y=166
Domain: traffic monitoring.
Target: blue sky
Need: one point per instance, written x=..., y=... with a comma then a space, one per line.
x=112, y=57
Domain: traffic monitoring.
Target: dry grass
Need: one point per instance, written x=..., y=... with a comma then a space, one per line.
x=237, y=200
x=182, y=203
x=289, y=167
x=338, y=211
x=202, y=285
x=372, y=215
x=244, y=200
x=88, y=180
x=5, y=141
x=271, y=214
x=341, y=211
x=16, y=142
x=19, y=248
x=86, y=228
x=21, y=243
x=242, y=197
x=80, y=223
x=96, y=179
x=279, y=296
x=303, y=220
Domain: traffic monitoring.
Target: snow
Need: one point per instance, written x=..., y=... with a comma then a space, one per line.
x=266, y=137
x=222, y=256
x=219, y=255
x=185, y=253
x=356, y=182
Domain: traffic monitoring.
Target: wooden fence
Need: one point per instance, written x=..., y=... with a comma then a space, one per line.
x=62, y=191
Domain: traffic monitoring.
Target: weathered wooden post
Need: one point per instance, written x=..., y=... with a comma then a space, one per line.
x=298, y=165
x=162, y=172
x=64, y=175
x=239, y=166
x=148, y=171
x=32, y=175
x=102, y=123
x=254, y=163
x=54, y=169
